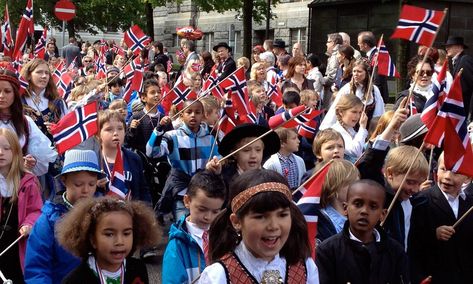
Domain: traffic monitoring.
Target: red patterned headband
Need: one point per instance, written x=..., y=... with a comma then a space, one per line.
x=243, y=197
x=12, y=80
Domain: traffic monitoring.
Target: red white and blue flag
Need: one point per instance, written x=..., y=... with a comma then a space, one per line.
x=25, y=29
x=306, y=124
x=130, y=68
x=75, y=127
x=177, y=96
x=274, y=92
x=212, y=83
x=40, y=48
x=136, y=40
x=235, y=86
x=450, y=128
x=101, y=69
x=282, y=119
x=435, y=101
x=418, y=24
x=386, y=66
x=24, y=84
x=309, y=203
x=117, y=180
x=7, y=40
x=133, y=84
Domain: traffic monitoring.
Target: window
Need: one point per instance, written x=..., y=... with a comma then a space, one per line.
x=207, y=40
x=238, y=43
x=175, y=41
x=299, y=35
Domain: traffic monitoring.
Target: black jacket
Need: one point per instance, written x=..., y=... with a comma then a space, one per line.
x=419, y=100
x=446, y=261
x=343, y=260
x=226, y=68
x=466, y=62
x=135, y=272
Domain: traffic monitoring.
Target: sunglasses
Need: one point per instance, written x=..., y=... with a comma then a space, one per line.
x=426, y=72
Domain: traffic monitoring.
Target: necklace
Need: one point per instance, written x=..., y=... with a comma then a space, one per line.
x=271, y=277
x=102, y=278
x=68, y=204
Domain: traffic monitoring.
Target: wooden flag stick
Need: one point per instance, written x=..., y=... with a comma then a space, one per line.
x=12, y=244
x=375, y=66
x=431, y=156
x=311, y=177
x=188, y=106
x=396, y=196
x=121, y=71
x=260, y=137
x=153, y=107
x=215, y=140
x=463, y=217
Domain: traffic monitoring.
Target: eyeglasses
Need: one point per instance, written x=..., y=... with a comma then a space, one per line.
x=87, y=61
x=427, y=73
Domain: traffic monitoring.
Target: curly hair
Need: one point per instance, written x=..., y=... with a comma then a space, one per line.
x=416, y=60
x=76, y=228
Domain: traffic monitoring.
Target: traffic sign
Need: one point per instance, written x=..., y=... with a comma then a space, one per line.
x=65, y=10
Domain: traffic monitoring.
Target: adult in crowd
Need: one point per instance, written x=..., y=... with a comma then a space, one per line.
x=347, y=42
x=71, y=51
x=257, y=50
x=358, y=86
x=333, y=43
x=50, y=51
x=207, y=64
x=295, y=77
x=188, y=47
x=227, y=65
x=159, y=56
x=455, y=47
x=279, y=47
x=313, y=63
x=367, y=44
x=297, y=50
x=346, y=60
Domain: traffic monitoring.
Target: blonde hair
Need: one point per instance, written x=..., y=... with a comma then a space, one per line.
x=340, y=174
x=383, y=122
x=323, y=137
x=243, y=61
x=117, y=104
x=209, y=103
x=16, y=168
x=345, y=103
x=107, y=115
x=83, y=89
x=283, y=133
x=254, y=67
x=307, y=94
x=400, y=158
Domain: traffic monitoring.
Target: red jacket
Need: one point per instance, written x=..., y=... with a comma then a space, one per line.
x=29, y=207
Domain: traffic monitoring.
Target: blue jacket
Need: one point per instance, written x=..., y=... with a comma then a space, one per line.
x=182, y=256
x=46, y=261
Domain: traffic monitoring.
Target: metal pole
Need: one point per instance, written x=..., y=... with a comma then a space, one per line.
x=63, y=33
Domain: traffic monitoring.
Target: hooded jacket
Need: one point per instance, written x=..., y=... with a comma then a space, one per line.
x=46, y=261
x=183, y=259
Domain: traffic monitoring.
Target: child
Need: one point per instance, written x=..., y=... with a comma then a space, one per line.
x=252, y=156
x=140, y=131
x=310, y=98
x=46, y=261
x=115, y=90
x=111, y=135
x=120, y=106
x=362, y=252
x=328, y=145
x=256, y=241
x=20, y=204
x=331, y=217
x=261, y=103
x=436, y=248
x=188, y=149
x=211, y=110
x=285, y=162
x=187, y=250
x=290, y=100
x=104, y=233
x=349, y=112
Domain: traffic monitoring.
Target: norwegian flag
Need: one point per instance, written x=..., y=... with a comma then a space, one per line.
x=24, y=84
x=100, y=67
x=169, y=66
x=118, y=50
x=177, y=96
x=235, y=84
x=73, y=65
x=412, y=106
x=450, y=128
x=418, y=24
x=306, y=125
x=386, y=66
x=130, y=68
x=310, y=201
x=283, y=118
x=117, y=181
x=25, y=28
x=433, y=103
x=133, y=84
x=136, y=39
x=7, y=40
x=274, y=92
x=40, y=47
x=75, y=127
x=64, y=86
x=58, y=71
x=212, y=83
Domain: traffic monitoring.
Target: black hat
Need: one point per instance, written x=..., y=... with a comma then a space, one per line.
x=412, y=128
x=222, y=44
x=279, y=43
x=455, y=40
x=271, y=141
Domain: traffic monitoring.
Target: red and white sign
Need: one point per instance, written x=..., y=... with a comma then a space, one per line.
x=65, y=10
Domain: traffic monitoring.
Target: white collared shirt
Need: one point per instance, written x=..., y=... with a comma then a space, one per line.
x=368, y=54
x=377, y=236
x=454, y=201
x=407, y=210
x=195, y=232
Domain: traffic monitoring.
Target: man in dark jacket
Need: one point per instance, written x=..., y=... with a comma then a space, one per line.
x=227, y=65
x=159, y=56
x=455, y=50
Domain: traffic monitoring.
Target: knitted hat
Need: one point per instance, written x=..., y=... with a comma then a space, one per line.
x=412, y=128
x=113, y=69
x=80, y=160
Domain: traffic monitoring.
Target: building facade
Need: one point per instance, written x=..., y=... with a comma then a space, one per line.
x=289, y=24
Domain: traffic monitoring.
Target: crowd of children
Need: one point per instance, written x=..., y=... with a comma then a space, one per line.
x=387, y=211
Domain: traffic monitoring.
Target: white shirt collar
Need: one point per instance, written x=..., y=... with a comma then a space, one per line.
x=377, y=236
x=193, y=229
x=368, y=54
x=451, y=198
x=6, y=189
